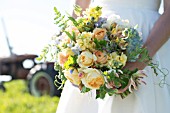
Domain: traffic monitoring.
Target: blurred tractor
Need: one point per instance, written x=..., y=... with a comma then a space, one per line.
x=39, y=76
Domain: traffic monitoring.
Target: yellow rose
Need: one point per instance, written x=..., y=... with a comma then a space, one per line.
x=99, y=33
x=119, y=58
x=93, y=79
x=72, y=75
x=86, y=59
x=101, y=57
x=114, y=56
x=63, y=56
x=123, y=59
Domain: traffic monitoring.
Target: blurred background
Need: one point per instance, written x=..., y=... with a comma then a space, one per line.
x=29, y=23
x=26, y=26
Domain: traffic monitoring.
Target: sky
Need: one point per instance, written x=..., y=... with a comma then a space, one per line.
x=29, y=24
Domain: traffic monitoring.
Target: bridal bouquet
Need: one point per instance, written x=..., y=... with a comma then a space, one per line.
x=92, y=51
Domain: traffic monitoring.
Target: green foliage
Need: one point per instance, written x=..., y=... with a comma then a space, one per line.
x=60, y=19
x=73, y=20
x=72, y=37
x=44, y=52
x=100, y=44
x=134, y=48
x=47, y=53
x=77, y=10
x=17, y=100
x=60, y=76
x=100, y=93
x=144, y=56
x=85, y=89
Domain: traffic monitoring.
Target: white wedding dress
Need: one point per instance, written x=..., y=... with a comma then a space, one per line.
x=150, y=98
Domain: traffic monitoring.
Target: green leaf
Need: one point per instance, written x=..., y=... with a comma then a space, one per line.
x=69, y=35
x=144, y=56
x=73, y=36
x=85, y=89
x=39, y=58
x=45, y=51
x=100, y=44
x=100, y=93
x=60, y=19
x=62, y=24
x=74, y=21
x=77, y=10
x=58, y=14
x=136, y=26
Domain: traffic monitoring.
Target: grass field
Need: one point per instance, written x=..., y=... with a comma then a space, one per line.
x=17, y=100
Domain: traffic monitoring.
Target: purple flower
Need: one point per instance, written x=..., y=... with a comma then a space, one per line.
x=71, y=71
x=100, y=22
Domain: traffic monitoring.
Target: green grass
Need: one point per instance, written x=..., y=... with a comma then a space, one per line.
x=17, y=100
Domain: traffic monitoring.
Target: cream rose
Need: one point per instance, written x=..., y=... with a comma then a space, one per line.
x=72, y=75
x=101, y=57
x=99, y=33
x=93, y=79
x=86, y=59
x=63, y=56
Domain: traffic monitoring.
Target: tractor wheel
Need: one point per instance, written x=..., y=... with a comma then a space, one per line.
x=41, y=83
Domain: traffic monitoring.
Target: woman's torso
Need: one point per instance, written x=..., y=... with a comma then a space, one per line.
x=130, y=4
x=141, y=12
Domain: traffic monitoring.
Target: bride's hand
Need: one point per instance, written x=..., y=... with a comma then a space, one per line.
x=133, y=65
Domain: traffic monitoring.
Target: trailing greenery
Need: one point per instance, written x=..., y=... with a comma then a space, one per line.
x=16, y=99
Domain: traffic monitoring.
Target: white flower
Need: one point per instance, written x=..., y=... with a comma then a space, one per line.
x=115, y=19
x=86, y=59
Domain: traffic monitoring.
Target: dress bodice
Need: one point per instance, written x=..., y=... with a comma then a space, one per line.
x=136, y=11
x=132, y=4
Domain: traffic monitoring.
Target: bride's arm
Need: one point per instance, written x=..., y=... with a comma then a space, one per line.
x=160, y=32
x=158, y=36
x=83, y=4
